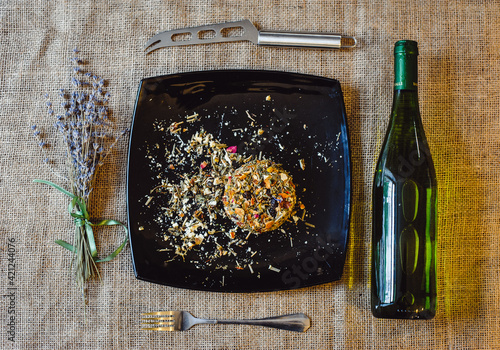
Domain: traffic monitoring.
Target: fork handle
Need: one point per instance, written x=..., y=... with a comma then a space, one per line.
x=293, y=322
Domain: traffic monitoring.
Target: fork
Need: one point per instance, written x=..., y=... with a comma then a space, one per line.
x=183, y=320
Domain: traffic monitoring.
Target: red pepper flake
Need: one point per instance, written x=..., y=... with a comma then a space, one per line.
x=203, y=165
x=232, y=149
x=232, y=234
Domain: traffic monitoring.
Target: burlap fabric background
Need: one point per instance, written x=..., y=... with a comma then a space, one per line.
x=459, y=96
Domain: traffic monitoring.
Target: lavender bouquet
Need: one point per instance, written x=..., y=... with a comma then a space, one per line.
x=87, y=136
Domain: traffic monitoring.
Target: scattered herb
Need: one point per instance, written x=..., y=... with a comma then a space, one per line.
x=196, y=205
x=195, y=201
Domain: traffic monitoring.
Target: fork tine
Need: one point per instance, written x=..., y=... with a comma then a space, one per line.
x=165, y=329
x=162, y=323
x=159, y=313
x=158, y=319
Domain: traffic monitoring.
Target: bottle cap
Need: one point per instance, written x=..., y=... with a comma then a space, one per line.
x=406, y=47
x=405, y=65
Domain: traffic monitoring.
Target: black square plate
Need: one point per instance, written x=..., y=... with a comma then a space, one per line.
x=302, y=120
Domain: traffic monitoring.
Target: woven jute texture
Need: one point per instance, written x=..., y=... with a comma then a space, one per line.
x=459, y=74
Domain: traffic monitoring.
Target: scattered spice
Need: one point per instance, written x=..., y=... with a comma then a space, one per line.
x=249, y=116
x=194, y=201
x=232, y=149
x=214, y=197
x=192, y=118
x=272, y=268
x=302, y=164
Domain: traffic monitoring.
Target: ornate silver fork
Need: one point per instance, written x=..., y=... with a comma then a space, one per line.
x=183, y=320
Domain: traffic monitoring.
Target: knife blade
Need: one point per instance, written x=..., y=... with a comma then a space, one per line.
x=245, y=31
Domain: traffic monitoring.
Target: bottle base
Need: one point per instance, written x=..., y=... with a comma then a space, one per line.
x=393, y=312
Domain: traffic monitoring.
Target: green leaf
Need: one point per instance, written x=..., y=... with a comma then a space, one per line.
x=66, y=245
x=120, y=248
x=83, y=208
x=57, y=187
x=77, y=215
x=72, y=204
x=115, y=253
x=82, y=219
x=91, y=240
x=110, y=223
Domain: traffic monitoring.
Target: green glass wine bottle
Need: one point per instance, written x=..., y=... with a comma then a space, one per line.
x=403, y=276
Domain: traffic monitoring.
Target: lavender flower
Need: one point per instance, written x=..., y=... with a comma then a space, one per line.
x=84, y=125
x=88, y=136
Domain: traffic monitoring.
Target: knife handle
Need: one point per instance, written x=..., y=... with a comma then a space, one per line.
x=299, y=39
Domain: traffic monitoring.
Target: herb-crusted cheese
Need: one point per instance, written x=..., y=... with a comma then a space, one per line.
x=259, y=196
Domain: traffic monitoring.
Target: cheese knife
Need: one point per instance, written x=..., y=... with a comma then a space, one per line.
x=245, y=31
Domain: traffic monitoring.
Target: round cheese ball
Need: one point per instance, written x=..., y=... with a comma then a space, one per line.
x=259, y=196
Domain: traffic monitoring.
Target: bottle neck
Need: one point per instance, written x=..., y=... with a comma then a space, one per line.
x=405, y=103
x=405, y=71
x=405, y=115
